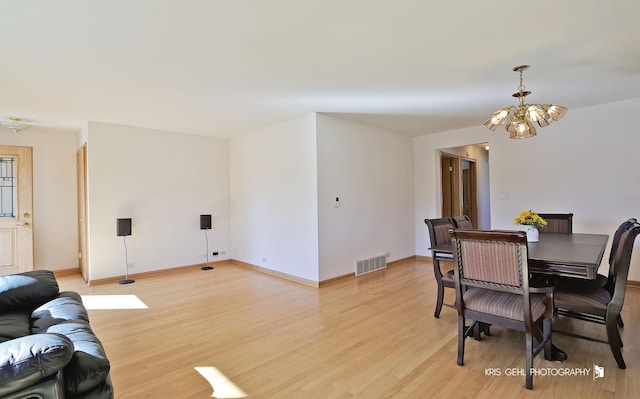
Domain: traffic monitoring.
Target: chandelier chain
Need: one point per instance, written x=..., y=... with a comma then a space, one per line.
x=521, y=87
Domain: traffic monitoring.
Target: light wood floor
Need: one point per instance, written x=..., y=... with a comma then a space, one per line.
x=370, y=337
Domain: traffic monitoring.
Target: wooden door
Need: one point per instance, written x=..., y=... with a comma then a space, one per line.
x=16, y=209
x=82, y=212
x=450, y=178
x=469, y=190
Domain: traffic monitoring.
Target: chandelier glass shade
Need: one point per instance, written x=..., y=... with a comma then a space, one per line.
x=14, y=124
x=519, y=121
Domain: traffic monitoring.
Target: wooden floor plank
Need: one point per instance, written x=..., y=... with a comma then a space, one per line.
x=368, y=337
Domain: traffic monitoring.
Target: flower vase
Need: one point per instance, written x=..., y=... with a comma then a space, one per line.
x=532, y=232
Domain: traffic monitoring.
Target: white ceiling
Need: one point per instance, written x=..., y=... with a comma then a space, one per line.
x=224, y=67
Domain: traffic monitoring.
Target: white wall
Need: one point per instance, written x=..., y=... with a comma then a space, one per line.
x=274, y=198
x=371, y=171
x=163, y=181
x=55, y=206
x=282, y=182
x=587, y=164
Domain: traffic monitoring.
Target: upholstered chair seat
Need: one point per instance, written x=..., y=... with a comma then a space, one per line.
x=510, y=306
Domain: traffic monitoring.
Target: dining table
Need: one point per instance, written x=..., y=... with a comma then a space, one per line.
x=576, y=255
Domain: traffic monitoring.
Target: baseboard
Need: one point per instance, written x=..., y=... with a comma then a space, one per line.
x=403, y=260
x=246, y=265
x=337, y=278
x=316, y=284
x=66, y=272
x=276, y=273
x=154, y=273
x=353, y=275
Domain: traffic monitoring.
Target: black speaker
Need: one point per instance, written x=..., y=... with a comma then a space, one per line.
x=205, y=222
x=124, y=227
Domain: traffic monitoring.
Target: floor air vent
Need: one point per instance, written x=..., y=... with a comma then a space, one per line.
x=370, y=265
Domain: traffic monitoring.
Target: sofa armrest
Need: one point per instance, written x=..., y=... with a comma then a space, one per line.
x=27, y=290
x=27, y=360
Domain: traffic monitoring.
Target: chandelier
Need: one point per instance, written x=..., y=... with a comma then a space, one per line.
x=519, y=121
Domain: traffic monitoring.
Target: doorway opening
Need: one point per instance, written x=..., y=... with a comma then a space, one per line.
x=464, y=188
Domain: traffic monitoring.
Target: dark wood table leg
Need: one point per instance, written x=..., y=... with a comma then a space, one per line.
x=558, y=354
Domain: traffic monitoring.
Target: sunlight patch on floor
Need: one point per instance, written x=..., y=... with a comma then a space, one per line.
x=222, y=387
x=113, y=302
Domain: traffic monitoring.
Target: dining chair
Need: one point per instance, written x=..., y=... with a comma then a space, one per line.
x=440, y=251
x=602, y=304
x=491, y=276
x=463, y=222
x=556, y=223
x=607, y=282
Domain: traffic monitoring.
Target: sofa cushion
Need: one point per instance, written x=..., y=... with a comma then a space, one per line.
x=26, y=360
x=66, y=307
x=29, y=289
x=89, y=365
x=14, y=325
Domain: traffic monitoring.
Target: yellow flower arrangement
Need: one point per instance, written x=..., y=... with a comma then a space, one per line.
x=530, y=218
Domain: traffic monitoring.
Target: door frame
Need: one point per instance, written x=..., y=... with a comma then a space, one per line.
x=472, y=189
x=451, y=186
x=83, y=214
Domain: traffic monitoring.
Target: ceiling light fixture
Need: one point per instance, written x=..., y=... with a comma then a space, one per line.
x=519, y=121
x=14, y=124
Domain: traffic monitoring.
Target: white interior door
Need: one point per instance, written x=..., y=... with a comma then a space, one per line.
x=16, y=209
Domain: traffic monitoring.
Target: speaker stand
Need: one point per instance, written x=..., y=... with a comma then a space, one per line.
x=126, y=280
x=206, y=266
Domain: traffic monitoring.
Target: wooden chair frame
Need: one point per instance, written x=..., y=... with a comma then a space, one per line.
x=556, y=223
x=568, y=301
x=439, y=238
x=536, y=338
x=435, y=227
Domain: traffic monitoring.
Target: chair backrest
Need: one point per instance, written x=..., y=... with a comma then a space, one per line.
x=557, y=223
x=621, y=263
x=463, y=222
x=616, y=239
x=439, y=231
x=491, y=259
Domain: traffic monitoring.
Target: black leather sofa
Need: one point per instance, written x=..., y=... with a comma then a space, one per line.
x=47, y=347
